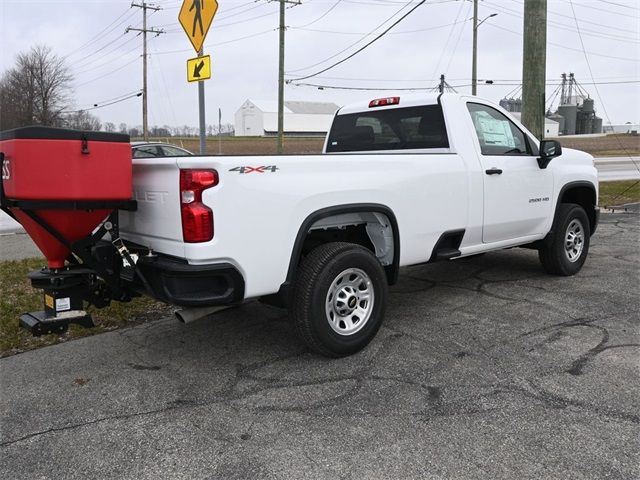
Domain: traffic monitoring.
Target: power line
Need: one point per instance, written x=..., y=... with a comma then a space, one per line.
x=493, y=25
x=586, y=58
x=455, y=47
x=403, y=32
x=220, y=43
x=107, y=104
x=102, y=32
x=100, y=77
x=354, y=43
x=599, y=9
x=446, y=43
x=618, y=4
x=565, y=27
x=320, y=17
x=164, y=84
x=363, y=47
x=386, y=88
x=598, y=24
x=91, y=61
x=339, y=87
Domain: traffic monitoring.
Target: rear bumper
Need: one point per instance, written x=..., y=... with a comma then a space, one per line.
x=178, y=283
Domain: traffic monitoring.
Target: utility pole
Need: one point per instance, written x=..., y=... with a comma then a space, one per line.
x=474, y=61
x=281, y=72
x=443, y=86
x=281, y=79
x=144, y=30
x=534, y=66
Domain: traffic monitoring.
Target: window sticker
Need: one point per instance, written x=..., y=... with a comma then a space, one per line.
x=493, y=131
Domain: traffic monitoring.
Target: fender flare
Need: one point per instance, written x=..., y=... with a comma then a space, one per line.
x=282, y=297
x=574, y=184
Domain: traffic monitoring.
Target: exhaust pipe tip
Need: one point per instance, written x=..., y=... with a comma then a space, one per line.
x=188, y=315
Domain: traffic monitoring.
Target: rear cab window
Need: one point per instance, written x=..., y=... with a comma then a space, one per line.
x=408, y=128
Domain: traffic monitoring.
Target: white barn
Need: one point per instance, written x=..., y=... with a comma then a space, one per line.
x=551, y=127
x=260, y=118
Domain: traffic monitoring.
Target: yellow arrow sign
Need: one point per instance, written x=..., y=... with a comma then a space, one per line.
x=199, y=68
x=195, y=17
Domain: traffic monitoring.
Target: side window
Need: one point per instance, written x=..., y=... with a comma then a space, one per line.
x=145, y=152
x=496, y=133
x=173, y=152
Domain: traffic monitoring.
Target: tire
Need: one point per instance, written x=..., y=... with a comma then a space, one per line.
x=339, y=299
x=565, y=252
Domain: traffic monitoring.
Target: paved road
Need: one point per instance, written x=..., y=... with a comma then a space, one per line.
x=485, y=369
x=618, y=168
x=17, y=246
x=8, y=224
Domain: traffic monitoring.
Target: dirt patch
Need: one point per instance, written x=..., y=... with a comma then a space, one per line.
x=611, y=145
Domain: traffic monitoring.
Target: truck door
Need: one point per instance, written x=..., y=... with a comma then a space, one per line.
x=517, y=192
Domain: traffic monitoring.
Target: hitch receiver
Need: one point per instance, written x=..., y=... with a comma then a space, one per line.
x=64, y=293
x=39, y=324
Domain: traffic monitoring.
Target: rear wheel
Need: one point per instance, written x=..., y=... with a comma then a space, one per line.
x=339, y=299
x=566, y=251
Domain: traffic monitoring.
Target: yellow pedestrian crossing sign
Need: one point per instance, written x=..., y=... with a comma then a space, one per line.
x=195, y=17
x=199, y=68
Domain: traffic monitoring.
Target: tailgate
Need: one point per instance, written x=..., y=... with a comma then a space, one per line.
x=157, y=223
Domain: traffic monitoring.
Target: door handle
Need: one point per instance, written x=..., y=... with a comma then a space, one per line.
x=493, y=171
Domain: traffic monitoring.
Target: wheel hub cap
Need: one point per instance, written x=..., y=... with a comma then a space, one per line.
x=574, y=240
x=349, y=301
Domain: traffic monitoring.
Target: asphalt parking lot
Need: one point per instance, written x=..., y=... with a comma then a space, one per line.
x=485, y=368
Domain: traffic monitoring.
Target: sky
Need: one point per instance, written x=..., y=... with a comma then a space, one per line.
x=600, y=44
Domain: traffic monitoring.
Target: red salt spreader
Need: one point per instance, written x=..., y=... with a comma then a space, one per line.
x=65, y=187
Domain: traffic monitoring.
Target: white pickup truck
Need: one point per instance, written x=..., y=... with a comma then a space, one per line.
x=401, y=181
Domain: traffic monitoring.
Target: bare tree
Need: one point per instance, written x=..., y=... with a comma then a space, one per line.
x=36, y=90
x=123, y=128
x=82, y=120
x=109, y=127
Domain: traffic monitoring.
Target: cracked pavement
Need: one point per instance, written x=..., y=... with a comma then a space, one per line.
x=484, y=368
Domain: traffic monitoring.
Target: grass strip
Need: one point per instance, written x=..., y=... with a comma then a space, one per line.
x=619, y=193
x=17, y=297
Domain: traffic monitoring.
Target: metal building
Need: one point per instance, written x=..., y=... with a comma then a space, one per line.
x=260, y=118
x=575, y=114
x=551, y=126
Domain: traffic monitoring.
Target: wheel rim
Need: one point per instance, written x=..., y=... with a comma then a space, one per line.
x=350, y=301
x=574, y=240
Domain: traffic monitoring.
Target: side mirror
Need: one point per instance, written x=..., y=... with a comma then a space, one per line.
x=548, y=150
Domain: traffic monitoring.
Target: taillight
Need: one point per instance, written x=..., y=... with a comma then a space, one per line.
x=197, y=218
x=381, y=102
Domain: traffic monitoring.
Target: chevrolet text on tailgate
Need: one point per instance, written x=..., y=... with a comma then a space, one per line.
x=401, y=181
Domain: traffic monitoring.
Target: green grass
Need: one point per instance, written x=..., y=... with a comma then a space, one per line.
x=17, y=297
x=619, y=193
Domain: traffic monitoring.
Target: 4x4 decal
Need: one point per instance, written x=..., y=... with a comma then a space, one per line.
x=248, y=169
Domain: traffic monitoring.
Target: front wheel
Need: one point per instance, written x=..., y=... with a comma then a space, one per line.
x=566, y=251
x=340, y=297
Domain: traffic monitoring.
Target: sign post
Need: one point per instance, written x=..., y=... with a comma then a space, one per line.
x=195, y=17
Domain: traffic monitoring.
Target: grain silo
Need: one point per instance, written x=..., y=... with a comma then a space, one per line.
x=569, y=112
